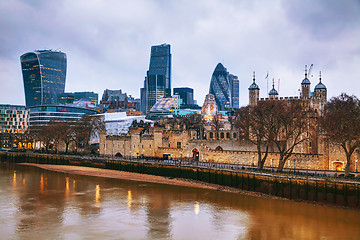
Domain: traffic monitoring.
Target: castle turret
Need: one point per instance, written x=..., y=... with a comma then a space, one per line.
x=305, y=86
x=320, y=95
x=273, y=94
x=254, y=91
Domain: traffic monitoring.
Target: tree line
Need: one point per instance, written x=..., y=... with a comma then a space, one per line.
x=78, y=132
x=283, y=125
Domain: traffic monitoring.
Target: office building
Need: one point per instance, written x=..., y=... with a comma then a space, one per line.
x=13, y=119
x=234, y=89
x=44, y=73
x=42, y=115
x=70, y=97
x=157, y=82
x=220, y=87
x=186, y=95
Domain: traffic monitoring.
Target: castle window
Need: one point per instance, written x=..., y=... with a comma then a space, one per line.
x=178, y=144
x=234, y=135
x=309, y=144
x=222, y=135
x=227, y=135
x=211, y=135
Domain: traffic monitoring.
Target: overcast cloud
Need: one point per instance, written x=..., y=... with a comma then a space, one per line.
x=108, y=42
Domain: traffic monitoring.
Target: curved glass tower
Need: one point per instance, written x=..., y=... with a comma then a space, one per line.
x=44, y=73
x=220, y=87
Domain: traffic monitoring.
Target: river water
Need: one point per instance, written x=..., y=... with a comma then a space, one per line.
x=40, y=204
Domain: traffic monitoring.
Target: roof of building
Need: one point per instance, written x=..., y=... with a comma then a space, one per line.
x=254, y=86
x=320, y=85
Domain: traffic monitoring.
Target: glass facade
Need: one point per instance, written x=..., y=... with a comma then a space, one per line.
x=13, y=119
x=158, y=80
x=186, y=95
x=71, y=97
x=44, y=73
x=234, y=83
x=220, y=87
x=41, y=115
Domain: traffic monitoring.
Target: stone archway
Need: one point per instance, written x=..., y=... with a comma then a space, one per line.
x=338, y=166
x=118, y=155
x=195, y=154
x=219, y=148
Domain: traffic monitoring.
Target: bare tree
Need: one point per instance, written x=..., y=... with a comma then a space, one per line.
x=341, y=122
x=255, y=123
x=290, y=121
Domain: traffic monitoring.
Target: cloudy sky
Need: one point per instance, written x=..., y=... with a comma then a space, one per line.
x=108, y=42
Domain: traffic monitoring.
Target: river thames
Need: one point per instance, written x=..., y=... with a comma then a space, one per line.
x=41, y=204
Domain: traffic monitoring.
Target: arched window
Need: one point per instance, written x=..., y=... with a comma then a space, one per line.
x=227, y=135
x=211, y=134
x=222, y=135
x=218, y=148
x=234, y=135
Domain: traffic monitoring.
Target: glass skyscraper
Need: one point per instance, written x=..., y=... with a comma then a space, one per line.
x=44, y=73
x=234, y=89
x=220, y=87
x=225, y=88
x=158, y=79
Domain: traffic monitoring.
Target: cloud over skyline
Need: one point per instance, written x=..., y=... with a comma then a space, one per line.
x=108, y=42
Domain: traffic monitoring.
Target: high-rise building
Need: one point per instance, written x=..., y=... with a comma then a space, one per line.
x=13, y=118
x=186, y=95
x=220, y=87
x=158, y=79
x=70, y=97
x=234, y=89
x=44, y=73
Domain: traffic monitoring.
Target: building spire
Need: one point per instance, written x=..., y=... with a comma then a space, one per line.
x=320, y=76
x=305, y=71
x=254, y=77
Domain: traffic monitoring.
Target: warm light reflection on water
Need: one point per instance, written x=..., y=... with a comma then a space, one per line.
x=157, y=211
x=67, y=188
x=196, y=208
x=14, y=179
x=129, y=199
x=97, y=194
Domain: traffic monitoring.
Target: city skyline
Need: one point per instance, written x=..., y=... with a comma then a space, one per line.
x=277, y=37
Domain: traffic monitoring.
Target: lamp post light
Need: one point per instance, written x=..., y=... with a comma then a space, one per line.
x=294, y=164
x=130, y=154
x=356, y=161
x=271, y=162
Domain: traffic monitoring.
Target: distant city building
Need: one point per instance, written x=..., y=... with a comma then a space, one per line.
x=116, y=99
x=157, y=82
x=165, y=107
x=220, y=87
x=44, y=74
x=70, y=97
x=234, y=90
x=13, y=119
x=210, y=108
x=186, y=95
x=42, y=115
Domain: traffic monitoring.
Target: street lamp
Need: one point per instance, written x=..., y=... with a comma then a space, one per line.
x=294, y=164
x=271, y=161
x=356, y=165
x=130, y=154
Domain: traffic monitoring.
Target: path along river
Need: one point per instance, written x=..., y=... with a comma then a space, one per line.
x=41, y=204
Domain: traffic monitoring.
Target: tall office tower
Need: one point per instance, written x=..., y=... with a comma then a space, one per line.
x=220, y=87
x=234, y=89
x=44, y=73
x=186, y=95
x=158, y=79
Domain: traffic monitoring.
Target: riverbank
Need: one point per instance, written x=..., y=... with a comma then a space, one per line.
x=132, y=176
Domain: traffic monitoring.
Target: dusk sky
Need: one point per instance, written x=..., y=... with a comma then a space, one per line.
x=107, y=42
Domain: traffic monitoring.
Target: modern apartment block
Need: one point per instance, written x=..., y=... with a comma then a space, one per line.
x=13, y=119
x=44, y=74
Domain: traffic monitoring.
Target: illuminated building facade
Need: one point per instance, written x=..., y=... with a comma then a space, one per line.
x=70, y=97
x=13, y=119
x=42, y=115
x=158, y=79
x=44, y=73
x=234, y=89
